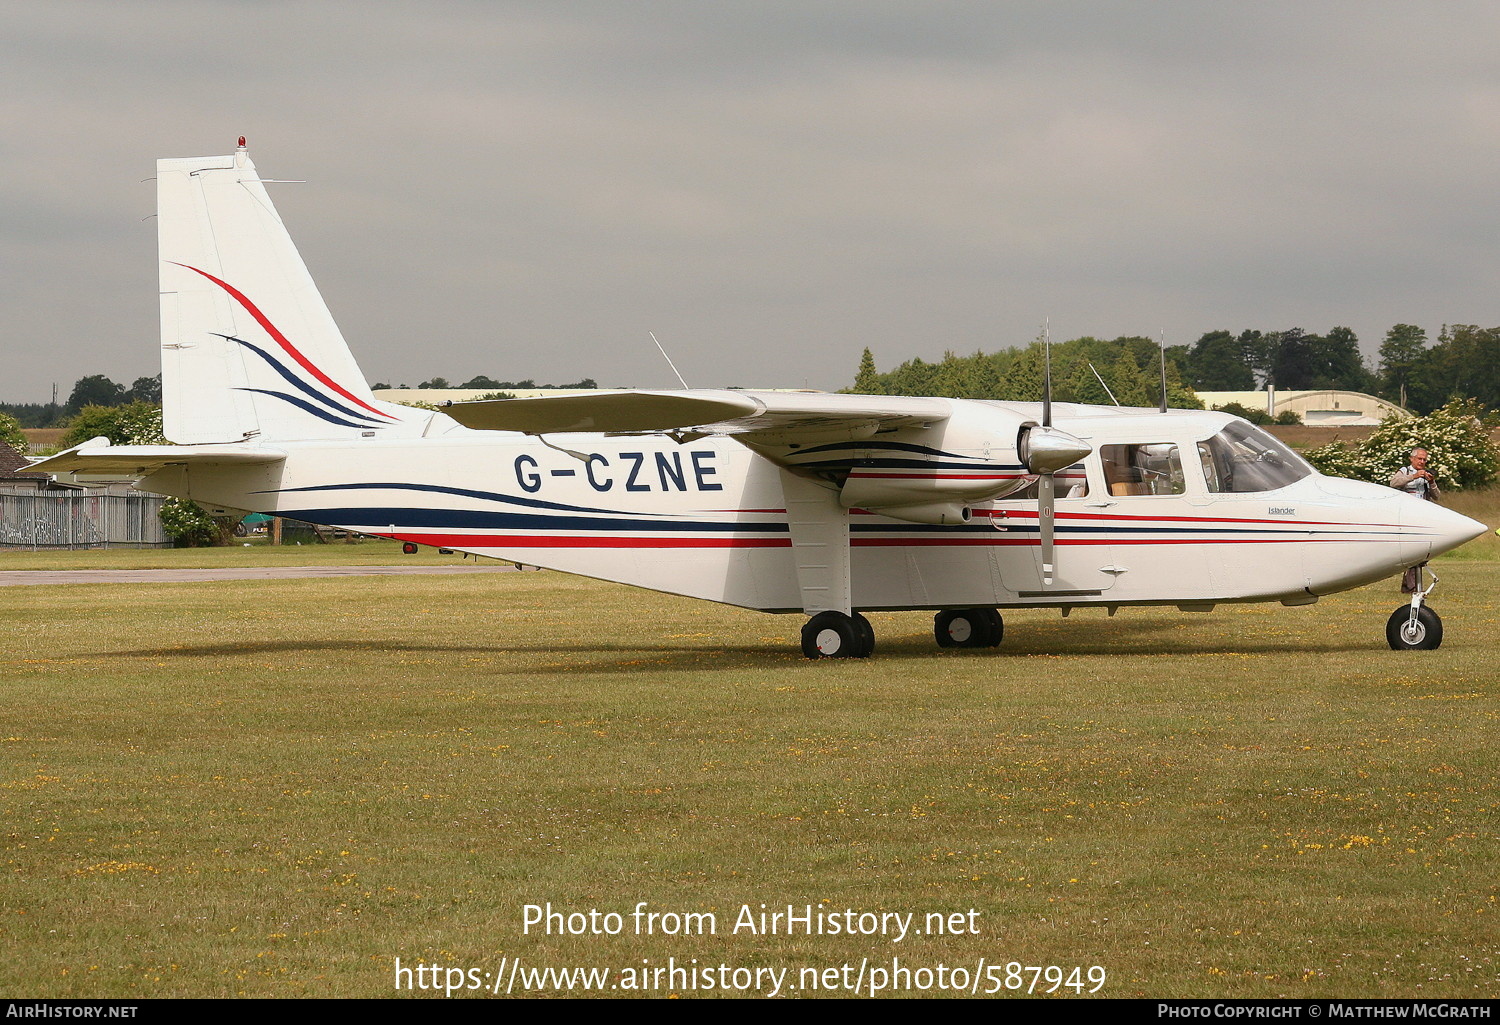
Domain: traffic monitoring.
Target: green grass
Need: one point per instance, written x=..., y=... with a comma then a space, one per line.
x=276, y=788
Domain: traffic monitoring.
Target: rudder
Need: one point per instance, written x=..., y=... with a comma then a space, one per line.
x=249, y=349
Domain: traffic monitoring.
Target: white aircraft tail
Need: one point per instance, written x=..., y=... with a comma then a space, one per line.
x=249, y=350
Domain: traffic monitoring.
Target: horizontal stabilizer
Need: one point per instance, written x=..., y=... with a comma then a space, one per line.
x=97, y=455
x=751, y=415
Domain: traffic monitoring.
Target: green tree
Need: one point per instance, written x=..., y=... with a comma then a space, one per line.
x=11, y=433
x=1078, y=384
x=1259, y=351
x=914, y=377
x=95, y=390
x=1255, y=416
x=1340, y=364
x=145, y=389
x=1219, y=364
x=1024, y=378
x=1468, y=364
x=1400, y=354
x=866, y=379
x=1130, y=383
x=1306, y=361
x=1293, y=364
x=122, y=425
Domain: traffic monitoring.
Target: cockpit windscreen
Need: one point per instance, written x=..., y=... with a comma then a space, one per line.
x=1244, y=459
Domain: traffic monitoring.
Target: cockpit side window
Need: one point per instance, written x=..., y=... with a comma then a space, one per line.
x=1150, y=469
x=1242, y=459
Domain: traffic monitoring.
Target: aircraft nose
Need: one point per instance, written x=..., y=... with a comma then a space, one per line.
x=1427, y=524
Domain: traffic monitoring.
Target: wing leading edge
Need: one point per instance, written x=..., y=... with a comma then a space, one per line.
x=753, y=417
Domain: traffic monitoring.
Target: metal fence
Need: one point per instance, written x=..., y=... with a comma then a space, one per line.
x=81, y=519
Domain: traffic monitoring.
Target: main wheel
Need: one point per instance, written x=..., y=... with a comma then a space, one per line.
x=994, y=627
x=1423, y=634
x=866, y=635
x=835, y=635
x=967, y=628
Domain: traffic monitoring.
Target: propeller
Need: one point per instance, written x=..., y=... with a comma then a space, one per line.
x=1044, y=451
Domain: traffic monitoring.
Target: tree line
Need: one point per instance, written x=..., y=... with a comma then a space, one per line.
x=1083, y=370
x=1463, y=363
x=94, y=390
x=99, y=390
x=487, y=383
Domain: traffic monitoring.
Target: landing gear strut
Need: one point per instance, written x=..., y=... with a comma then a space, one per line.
x=1415, y=626
x=968, y=628
x=835, y=635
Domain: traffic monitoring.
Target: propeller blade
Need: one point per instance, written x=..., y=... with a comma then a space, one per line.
x=1045, y=488
x=1163, y=348
x=1047, y=375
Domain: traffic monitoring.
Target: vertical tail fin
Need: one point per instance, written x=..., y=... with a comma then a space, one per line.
x=248, y=347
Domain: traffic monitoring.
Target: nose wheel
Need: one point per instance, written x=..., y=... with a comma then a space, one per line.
x=1415, y=626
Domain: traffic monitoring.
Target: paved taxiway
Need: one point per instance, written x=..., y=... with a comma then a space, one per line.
x=13, y=578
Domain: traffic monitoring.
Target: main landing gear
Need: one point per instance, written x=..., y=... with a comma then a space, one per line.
x=1415, y=626
x=835, y=635
x=968, y=628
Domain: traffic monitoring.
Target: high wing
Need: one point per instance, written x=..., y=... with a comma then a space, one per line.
x=97, y=455
x=754, y=417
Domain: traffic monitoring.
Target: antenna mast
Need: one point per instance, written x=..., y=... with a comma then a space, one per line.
x=668, y=359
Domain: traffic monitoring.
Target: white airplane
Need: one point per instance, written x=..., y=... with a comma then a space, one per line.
x=829, y=505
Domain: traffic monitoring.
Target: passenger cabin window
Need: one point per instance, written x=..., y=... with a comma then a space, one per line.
x=1243, y=459
x=1153, y=469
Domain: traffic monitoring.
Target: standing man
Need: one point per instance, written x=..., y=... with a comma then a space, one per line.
x=1416, y=480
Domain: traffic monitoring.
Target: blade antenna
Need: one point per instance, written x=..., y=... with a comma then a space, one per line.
x=1163, y=337
x=669, y=360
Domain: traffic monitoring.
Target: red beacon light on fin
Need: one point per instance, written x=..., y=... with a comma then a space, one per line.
x=242, y=142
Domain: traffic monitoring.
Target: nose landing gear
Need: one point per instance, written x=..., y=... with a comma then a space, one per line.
x=1415, y=626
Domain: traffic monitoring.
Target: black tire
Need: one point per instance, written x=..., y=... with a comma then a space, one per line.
x=994, y=628
x=960, y=628
x=409, y=548
x=833, y=635
x=866, y=635
x=1423, y=635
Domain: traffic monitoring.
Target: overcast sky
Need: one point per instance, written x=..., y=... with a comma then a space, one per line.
x=525, y=189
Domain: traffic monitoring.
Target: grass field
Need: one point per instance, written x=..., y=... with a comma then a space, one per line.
x=277, y=788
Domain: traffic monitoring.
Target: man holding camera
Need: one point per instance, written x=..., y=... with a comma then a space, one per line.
x=1416, y=480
